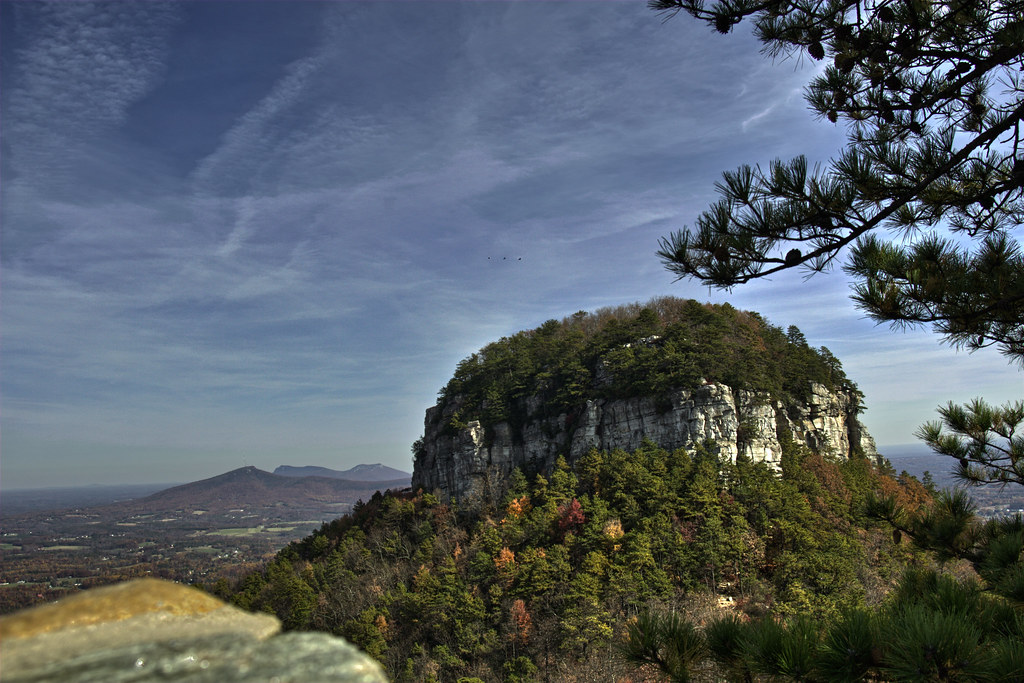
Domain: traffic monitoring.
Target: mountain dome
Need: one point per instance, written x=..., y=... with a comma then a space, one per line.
x=674, y=372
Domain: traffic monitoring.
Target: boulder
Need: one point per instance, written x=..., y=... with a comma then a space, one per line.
x=154, y=630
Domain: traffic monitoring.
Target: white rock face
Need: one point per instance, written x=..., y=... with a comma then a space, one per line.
x=464, y=463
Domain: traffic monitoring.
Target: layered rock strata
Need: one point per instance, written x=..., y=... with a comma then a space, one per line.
x=462, y=462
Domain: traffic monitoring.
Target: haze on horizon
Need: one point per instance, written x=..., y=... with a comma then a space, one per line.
x=265, y=233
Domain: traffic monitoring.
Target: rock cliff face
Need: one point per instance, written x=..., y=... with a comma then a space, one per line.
x=462, y=462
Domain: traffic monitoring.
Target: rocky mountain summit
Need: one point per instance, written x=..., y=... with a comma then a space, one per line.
x=673, y=372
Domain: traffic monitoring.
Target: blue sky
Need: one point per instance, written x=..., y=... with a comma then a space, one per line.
x=265, y=233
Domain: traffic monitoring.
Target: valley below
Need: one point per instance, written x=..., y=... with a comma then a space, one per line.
x=216, y=529
x=917, y=460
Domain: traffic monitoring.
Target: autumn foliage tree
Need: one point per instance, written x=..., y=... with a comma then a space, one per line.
x=570, y=516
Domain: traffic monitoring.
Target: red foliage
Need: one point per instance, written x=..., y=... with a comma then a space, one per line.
x=570, y=515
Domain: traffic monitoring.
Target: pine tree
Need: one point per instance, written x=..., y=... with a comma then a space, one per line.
x=927, y=197
x=982, y=439
x=931, y=96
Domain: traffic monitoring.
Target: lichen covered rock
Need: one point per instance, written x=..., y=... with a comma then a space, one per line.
x=153, y=630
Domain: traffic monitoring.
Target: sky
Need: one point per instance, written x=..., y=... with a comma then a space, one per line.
x=264, y=233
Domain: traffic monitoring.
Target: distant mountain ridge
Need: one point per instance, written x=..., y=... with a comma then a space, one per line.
x=248, y=486
x=375, y=472
x=240, y=488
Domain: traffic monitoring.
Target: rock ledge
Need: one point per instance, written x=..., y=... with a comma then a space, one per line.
x=149, y=630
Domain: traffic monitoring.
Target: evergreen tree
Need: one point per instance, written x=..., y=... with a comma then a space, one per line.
x=932, y=98
x=933, y=629
x=543, y=584
x=670, y=642
x=982, y=439
x=931, y=95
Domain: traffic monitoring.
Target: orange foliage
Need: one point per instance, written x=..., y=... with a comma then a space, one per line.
x=521, y=622
x=518, y=507
x=382, y=625
x=829, y=474
x=505, y=560
x=910, y=494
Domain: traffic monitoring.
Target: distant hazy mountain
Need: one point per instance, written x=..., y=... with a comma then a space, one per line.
x=376, y=472
x=246, y=487
x=249, y=486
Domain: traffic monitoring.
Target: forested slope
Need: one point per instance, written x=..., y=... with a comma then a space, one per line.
x=540, y=586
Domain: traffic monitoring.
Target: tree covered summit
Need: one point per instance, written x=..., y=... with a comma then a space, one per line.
x=638, y=349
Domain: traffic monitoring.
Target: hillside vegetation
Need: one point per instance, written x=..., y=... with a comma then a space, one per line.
x=543, y=585
x=636, y=350
x=655, y=564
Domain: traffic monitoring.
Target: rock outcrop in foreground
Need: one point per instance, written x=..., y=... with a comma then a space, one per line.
x=739, y=422
x=153, y=630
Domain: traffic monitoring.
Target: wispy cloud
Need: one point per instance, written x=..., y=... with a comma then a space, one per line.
x=221, y=236
x=86, y=64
